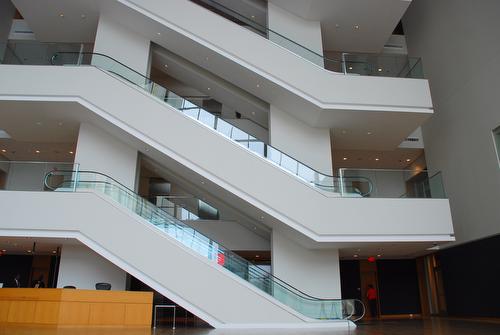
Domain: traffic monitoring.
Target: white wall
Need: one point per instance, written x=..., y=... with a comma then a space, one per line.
x=309, y=145
x=315, y=272
x=303, y=32
x=29, y=176
x=116, y=41
x=83, y=268
x=231, y=234
x=459, y=45
x=98, y=151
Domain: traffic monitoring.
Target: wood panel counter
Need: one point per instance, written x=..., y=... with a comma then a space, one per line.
x=70, y=307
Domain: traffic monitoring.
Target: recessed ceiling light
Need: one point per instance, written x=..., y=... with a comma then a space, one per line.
x=37, y=151
x=369, y=133
x=379, y=255
x=71, y=152
x=345, y=158
x=3, y=250
x=258, y=85
x=253, y=16
x=377, y=159
x=408, y=160
x=356, y=26
x=350, y=67
x=166, y=66
x=158, y=34
x=28, y=250
x=356, y=256
x=53, y=251
x=61, y=14
x=379, y=70
x=3, y=150
x=257, y=256
x=253, y=113
x=208, y=88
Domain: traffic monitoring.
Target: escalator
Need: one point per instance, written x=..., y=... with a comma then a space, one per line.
x=310, y=308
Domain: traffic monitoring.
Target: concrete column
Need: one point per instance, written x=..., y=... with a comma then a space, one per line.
x=122, y=44
x=313, y=271
x=305, y=33
x=311, y=146
x=98, y=151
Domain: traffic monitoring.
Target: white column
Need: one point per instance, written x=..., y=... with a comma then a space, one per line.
x=122, y=44
x=83, y=268
x=311, y=146
x=313, y=271
x=99, y=151
x=303, y=32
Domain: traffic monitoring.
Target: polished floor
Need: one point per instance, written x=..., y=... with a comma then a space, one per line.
x=436, y=326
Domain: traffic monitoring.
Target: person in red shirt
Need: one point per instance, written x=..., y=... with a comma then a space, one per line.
x=371, y=295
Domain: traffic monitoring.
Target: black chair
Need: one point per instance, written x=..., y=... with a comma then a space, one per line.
x=69, y=286
x=103, y=286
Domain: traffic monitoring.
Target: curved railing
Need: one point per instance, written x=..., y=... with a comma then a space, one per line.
x=322, y=181
x=327, y=309
x=362, y=64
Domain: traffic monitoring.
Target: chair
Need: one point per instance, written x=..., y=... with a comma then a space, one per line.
x=103, y=286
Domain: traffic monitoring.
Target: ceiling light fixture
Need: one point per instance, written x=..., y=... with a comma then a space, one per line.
x=158, y=34
x=408, y=160
x=53, y=251
x=350, y=67
x=28, y=250
x=258, y=85
x=257, y=256
x=356, y=26
x=345, y=158
x=379, y=70
x=379, y=255
x=356, y=256
x=208, y=88
x=369, y=133
x=71, y=152
x=61, y=14
x=4, y=250
x=37, y=151
x=166, y=66
x=377, y=159
x=4, y=151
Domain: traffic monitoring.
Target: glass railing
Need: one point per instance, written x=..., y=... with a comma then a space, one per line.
x=191, y=109
x=359, y=64
x=85, y=181
x=28, y=175
x=174, y=205
x=388, y=183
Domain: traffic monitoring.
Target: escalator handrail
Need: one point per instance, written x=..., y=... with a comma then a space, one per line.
x=178, y=222
x=149, y=81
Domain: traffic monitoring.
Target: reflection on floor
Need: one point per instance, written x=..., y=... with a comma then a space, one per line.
x=435, y=326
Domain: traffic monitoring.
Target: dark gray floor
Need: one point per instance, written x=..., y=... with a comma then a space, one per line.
x=435, y=326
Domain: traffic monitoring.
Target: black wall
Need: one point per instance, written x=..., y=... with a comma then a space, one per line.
x=471, y=276
x=398, y=287
x=10, y=265
x=350, y=280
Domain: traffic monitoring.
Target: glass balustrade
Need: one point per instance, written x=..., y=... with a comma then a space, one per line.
x=387, y=183
x=28, y=175
x=88, y=181
x=194, y=111
x=386, y=65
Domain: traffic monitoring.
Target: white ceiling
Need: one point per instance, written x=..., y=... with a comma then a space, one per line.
x=366, y=159
x=376, y=20
x=34, y=127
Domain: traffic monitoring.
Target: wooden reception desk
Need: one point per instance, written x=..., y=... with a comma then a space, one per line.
x=69, y=307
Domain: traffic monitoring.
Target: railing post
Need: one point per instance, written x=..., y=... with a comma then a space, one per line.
x=341, y=181
x=77, y=171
